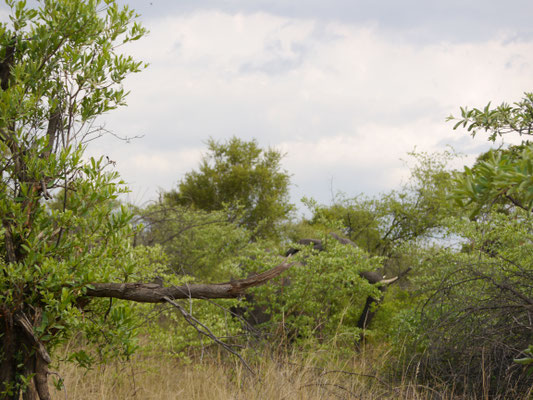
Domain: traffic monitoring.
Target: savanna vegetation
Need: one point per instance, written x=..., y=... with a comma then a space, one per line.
x=425, y=292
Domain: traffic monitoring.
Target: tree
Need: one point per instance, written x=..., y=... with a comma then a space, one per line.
x=381, y=225
x=59, y=70
x=485, y=282
x=324, y=298
x=239, y=173
x=503, y=174
x=200, y=244
x=395, y=226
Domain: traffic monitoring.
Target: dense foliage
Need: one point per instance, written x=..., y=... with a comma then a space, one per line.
x=58, y=72
x=198, y=243
x=321, y=300
x=242, y=178
x=384, y=223
x=475, y=292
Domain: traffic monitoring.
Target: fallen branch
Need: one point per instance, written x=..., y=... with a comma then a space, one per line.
x=154, y=293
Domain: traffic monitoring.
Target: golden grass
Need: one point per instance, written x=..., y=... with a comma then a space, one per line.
x=216, y=375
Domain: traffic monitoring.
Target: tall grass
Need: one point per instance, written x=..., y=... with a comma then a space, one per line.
x=214, y=375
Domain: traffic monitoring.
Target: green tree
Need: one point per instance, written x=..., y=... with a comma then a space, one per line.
x=397, y=226
x=504, y=175
x=484, y=281
x=243, y=178
x=321, y=299
x=58, y=72
x=198, y=243
x=382, y=224
x=62, y=266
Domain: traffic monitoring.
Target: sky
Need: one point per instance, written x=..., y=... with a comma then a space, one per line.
x=344, y=88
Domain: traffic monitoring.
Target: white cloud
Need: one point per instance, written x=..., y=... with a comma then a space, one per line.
x=341, y=100
x=147, y=171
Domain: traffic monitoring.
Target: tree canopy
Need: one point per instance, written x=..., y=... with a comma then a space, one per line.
x=504, y=174
x=243, y=178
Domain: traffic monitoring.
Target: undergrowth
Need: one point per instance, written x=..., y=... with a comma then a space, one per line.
x=277, y=373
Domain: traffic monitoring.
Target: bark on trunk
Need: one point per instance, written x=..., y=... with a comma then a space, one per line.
x=23, y=356
x=8, y=364
x=153, y=293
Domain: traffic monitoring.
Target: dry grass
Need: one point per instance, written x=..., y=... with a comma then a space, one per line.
x=217, y=376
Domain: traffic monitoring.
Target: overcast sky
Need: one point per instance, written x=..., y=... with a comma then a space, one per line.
x=344, y=87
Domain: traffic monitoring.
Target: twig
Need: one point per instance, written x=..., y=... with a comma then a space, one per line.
x=204, y=330
x=64, y=387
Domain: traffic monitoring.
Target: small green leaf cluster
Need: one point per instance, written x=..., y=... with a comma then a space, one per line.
x=527, y=359
x=502, y=120
x=503, y=176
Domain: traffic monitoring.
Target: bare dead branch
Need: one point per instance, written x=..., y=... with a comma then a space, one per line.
x=154, y=293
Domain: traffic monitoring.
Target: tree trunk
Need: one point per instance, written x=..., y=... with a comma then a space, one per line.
x=22, y=357
x=8, y=363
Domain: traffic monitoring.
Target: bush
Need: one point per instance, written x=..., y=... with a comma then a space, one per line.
x=475, y=311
